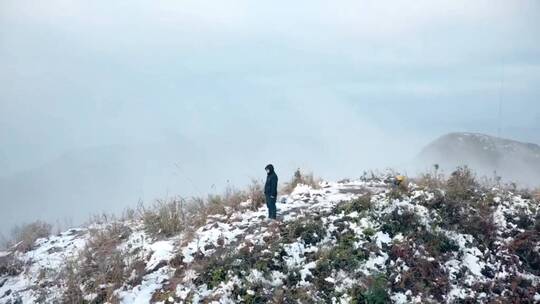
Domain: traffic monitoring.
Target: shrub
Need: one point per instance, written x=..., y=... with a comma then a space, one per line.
x=399, y=191
x=468, y=211
x=323, y=270
x=461, y=184
x=262, y=257
x=400, y=221
x=311, y=231
x=345, y=255
x=369, y=232
x=10, y=265
x=214, y=269
x=234, y=197
x=217, y=275
x=300, y=178
x=401, y=250
x=437, y=243
x=524, y=221
x=431, y=180
x=24, y=237
x=525, y=247
x=423, y=277
x=359, y=205
x=477, y=220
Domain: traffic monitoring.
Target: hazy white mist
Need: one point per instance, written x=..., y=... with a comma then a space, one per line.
x=103, y=103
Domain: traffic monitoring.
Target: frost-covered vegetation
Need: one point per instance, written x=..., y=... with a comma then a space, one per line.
x=432, y=240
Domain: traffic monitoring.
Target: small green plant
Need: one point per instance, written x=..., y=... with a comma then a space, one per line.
x=400, y=221
x=345, y=255
x=214, y=270
x=375, y=293
x=264, y=258
x=310, y=231
x=359, y=205
x=437, y=243
x=217, y=276
x=369, y=232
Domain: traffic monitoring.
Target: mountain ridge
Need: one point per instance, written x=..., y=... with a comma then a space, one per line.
x=513, y=160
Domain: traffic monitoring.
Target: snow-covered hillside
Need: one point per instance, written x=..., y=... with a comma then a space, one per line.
x=349, y=242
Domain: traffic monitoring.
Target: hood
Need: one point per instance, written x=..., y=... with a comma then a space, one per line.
x=269, y=167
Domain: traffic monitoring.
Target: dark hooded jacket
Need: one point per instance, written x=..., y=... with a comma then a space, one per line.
x=270, y=188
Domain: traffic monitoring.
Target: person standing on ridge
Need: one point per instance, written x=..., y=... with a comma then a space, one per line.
x=270, y=191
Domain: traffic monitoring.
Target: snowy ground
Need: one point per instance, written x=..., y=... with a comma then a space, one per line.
x=188, y=268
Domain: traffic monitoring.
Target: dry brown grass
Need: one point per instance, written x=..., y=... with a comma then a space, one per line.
x=23, y=237
x=255, y=193
x=232, y=198
x=72, y=283
x=168, y=218
x=164, y=218
x=301, y=178
x=100, y=268
x=101, y=219
x=429, y=180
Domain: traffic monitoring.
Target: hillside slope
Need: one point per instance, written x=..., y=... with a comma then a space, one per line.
x=513, y=160
x=349, y=242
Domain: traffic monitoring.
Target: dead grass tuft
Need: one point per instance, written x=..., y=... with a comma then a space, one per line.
x=23, y=237
x=164, y=218
x=100, y=268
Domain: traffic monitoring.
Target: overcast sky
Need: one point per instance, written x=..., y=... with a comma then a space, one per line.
x=334, y=86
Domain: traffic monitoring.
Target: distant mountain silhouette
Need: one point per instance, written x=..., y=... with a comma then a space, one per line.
x=513, y=160
x=106, y=178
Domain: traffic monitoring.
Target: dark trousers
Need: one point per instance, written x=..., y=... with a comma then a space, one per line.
x=271, y=204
